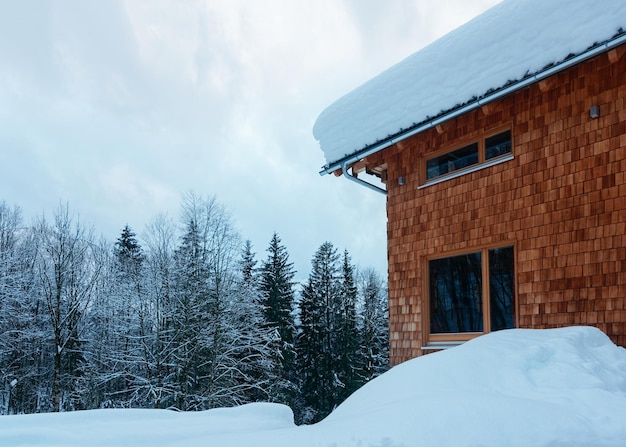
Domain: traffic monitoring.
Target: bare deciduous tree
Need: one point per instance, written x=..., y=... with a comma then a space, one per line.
x=68, y=266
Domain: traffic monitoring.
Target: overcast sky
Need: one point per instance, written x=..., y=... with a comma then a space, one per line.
x=120, y=107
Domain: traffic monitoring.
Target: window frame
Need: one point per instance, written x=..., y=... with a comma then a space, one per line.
x=442, y=340
x=483, y=161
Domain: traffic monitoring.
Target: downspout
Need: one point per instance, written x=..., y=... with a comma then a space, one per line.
x=354, y=178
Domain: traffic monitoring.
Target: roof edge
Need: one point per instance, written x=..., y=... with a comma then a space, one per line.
x=510, y=87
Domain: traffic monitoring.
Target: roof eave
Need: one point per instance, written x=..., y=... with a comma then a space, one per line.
x=617, y=40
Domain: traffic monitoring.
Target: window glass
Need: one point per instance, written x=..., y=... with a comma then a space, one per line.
x=497, y=145
x=452, y=161
x=456, y=294
x=501, y=296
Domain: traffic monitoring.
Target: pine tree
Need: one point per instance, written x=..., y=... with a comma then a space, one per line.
x=129, y=255
x=117, y=365
x=192, y=326
x=130, y=313
x=194, y=308
x=374, y=325
x=276, y=286
x=249, y=274
x=347, y=333
x=254, y=368
x=220, y=347
x=317, y=350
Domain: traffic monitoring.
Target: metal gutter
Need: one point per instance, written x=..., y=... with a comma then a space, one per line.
x=354, y=178
x=592, y=52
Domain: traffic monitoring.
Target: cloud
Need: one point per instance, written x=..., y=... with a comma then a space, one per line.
x=119, y=107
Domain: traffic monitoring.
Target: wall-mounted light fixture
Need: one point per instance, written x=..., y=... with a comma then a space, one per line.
x=594, y=111
x=400, y=180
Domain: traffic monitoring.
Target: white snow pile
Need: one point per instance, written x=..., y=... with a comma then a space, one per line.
x=510, y=41
x=521, y=387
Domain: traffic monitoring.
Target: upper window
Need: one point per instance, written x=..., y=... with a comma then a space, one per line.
x=473, y=154
x=471, y=293
x=497, y=145
x=452, y=161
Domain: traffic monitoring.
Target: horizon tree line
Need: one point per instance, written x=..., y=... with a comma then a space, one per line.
x=186, y=319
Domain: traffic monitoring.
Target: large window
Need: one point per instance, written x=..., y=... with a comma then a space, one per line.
x=487, y=149
x=471, y=293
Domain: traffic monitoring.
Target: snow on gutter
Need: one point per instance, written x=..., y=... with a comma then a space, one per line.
x=347, y=161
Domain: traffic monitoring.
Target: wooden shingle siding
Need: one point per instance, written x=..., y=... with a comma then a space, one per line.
x=561, y=201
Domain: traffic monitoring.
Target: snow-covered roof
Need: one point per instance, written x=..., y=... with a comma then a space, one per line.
x=510, y=43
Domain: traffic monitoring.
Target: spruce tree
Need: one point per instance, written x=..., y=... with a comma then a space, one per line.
x=317, y=347
x=220, y=345
x=276, y=285
x=117, y=333
x=194, y=309
x=128, y=254
x=374, y=325
x=258, y=369
x=347, y=334
x=248, y=262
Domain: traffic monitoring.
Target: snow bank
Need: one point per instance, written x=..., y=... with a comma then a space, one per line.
x=509, y=41
x=124, y=427
x=521, y=387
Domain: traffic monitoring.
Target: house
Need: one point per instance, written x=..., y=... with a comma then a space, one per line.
x=501, y=149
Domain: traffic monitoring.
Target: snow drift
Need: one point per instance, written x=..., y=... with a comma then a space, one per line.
x=520, y=387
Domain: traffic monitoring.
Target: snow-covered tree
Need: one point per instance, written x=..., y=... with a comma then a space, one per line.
x=117, y=364
x=331, y=343
x=347, y=335
x=184, y=319
x=132, y=314
x=158, y=329
x=276, y=284
x=20, y=317
x=221, y=346
x=196, y=307
x=249, y=273
x=254, y=345
x=68, y=266
x=374, y=325
x=316, y=344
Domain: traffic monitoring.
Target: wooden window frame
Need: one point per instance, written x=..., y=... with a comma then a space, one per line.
x=436, y=341
x=483, y=162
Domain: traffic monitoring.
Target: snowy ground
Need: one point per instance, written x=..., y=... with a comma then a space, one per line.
x=559, y=387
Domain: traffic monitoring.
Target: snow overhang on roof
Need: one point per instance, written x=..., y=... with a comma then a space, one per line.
x=513, y=44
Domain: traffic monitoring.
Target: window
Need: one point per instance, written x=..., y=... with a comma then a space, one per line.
x=452, y=161
x=501, y=287
x=471, y=293
x=456, y=294
x=497, y=145
x=476, y=154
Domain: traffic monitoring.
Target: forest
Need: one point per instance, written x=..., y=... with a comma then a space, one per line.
x=185, y=318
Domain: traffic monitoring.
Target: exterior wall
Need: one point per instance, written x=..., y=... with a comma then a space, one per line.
x=561, y=201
